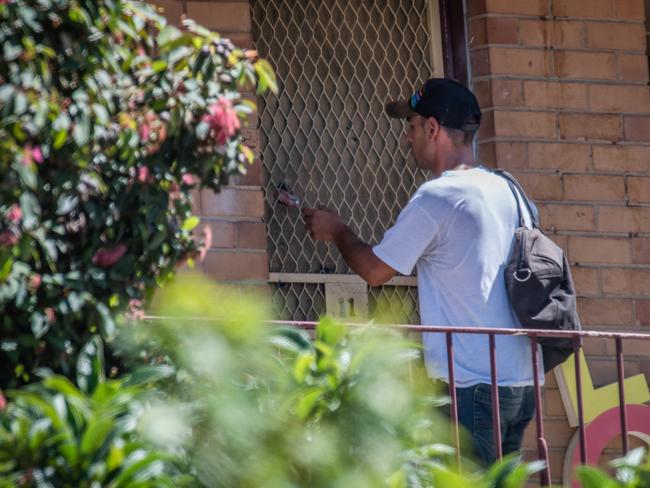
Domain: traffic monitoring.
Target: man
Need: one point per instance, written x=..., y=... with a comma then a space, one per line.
x=457, y=230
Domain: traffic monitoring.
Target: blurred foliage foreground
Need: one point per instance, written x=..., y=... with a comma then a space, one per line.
x=227, y=400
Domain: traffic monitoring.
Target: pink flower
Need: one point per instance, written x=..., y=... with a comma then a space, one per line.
x=8, y=238
x=15, y=214
x=143, y=175
x=31, y=154
x=207, y=242
x=188, y=179
x=222, y=119
x=3, y=400
x=144, y=132
x=106, y=257
x=50, y=314
x=35, y=281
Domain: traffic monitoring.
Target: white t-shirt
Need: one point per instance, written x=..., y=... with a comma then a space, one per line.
x=458, y=230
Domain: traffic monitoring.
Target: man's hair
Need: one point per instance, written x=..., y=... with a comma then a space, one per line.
x=459, y=137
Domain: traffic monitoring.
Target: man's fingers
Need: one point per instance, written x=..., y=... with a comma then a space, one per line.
x=308, y=212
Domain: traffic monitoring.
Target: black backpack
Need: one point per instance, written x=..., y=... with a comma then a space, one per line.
x=539, y=282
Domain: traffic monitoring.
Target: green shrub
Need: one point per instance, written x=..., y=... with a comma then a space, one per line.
x=109, y=118
x=56, y=434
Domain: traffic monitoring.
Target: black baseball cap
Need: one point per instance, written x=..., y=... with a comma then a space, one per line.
x=452, y=104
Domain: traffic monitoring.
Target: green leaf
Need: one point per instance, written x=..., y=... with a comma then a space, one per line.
x=31, y=210
x=81, y=131
x=308, y=401
x=96, y=434
x=90, y=365
x=190, y=223
x=159, y=65
x=594, y=478
x=266, y=77
x=39, y=325
x=330, y=331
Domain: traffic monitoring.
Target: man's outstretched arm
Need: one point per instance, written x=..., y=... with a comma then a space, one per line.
x=326, y=225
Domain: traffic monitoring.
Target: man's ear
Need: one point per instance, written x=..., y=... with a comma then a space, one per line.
x=433, y=127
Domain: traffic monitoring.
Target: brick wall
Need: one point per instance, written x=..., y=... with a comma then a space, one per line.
x=564, y=87
x=238, y=253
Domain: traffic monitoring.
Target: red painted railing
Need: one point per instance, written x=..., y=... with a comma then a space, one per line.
x=534, y=335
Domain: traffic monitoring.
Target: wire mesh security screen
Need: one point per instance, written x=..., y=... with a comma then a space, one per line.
x=325, y=135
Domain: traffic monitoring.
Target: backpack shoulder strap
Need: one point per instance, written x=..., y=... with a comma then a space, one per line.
x=519, y=193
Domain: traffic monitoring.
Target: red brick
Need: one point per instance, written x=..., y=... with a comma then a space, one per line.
x=585, y=65
x=223, y=233
x=584, y=8
x=587, y=280
x=638, y=189
x=641, y=250
x=626, y=281
x=613, y=98
x=221, y=16
x=480, y=61
x=604, y=372
x=529, y=7
x=501, y=30
x=553, y=405
x=544, y=94
x=643, y=312
x=630, y=348
x=532, y=125
x=594, y=188
x=509, y=154
x=243, y=40
x=526, y=62
x=483, y=91
x=622, y=158
x=171, y=9
x=233, y=201
x=584, y=127
x=633, y=67
x=251, y=235
x=624, y=219
x=195, y=198
x=558, y=432
x=630, y=9
x=607, y=35
x=234, y=265
x=605, y=311
x=476, y=7
x=541, y=186
x=477, y=32
x=567, y=217
x=601, y=250
x=556, y=156
x=486, y=130
x=507, y=93
x=253, y=175
x=595, y=346
x=637, y=128
x=556, y=34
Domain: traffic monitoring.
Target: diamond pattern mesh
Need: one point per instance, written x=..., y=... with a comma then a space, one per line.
x=325, y=135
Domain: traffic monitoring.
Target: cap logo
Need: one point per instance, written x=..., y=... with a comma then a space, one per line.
x=416, y=97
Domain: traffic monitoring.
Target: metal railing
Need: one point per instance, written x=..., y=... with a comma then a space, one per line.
x=534, y=335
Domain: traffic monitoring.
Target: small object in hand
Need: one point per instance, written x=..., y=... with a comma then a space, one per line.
x=286, y=198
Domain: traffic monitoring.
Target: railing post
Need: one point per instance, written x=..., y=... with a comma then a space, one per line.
x=621, y=392
x=496, y=412
x=542, y=448
x=577, y=346
x=452, y=392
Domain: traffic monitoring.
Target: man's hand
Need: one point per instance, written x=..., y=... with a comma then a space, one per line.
x=323, y=224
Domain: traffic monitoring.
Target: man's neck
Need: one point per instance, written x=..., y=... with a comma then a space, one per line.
x=463, y=158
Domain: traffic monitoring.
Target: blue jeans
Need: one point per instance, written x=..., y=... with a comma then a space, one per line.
x=517, y=406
